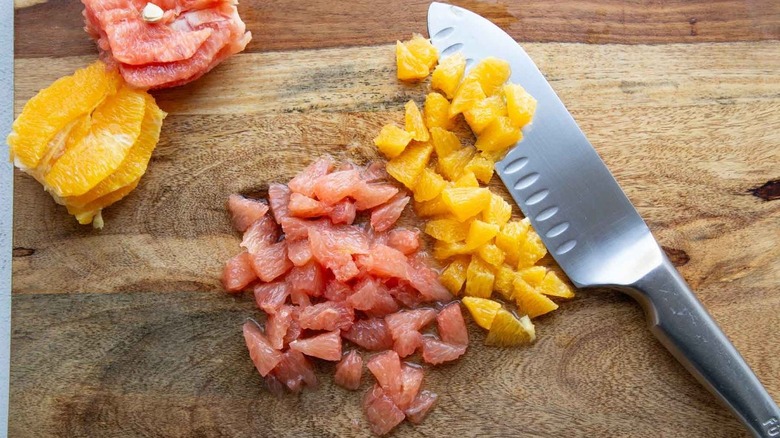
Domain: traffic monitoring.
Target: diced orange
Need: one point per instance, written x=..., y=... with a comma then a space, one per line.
x=482, y=167
x=508, y=331
x=519, y=104
x=509, y=239
x=409, y=67
x=434, y=207
x=480, y=233
x=447, y=75
x=533, y=275
x=423, y=50
x=415, y=123
x=465, y=202
x=467, y=180
x=482, y=310
x=54, y=108
x=408, y=166
x=531, y=249
x=429, y=185
x=504, y=283
x=454, y=275
x=553, y=286
x=491, y=254
x=498, y=211
x=444, y=250
x=447, y=230
x=482, y=113
x=444, y=142
x=499, y=135
x=437, y=111
x=490, y=73
x=392, y=140
x=531, y=302
x=116, y=125
x=468, y=94
x=453, y=165
x=479, y=278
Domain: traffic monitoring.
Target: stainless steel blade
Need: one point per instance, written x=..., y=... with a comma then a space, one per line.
x=554, y=174
x=591, y=228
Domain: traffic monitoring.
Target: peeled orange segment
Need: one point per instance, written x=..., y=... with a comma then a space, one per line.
x=504, y=283
x=468, y=94
x=482, y=167
x=409, y=67
x=508, y=331
x=454, y=164
x=520, y=105
x=499, y=135
x=444, y=142
x=447, y=75
x=90, y=212
x=116, y=125
x=485, y=111
x=553, y=286
x=482, y=310
x=498, y=211
x=414, y=122
x=479, y=278
x=490, y=73
x=436, y=109
x=134, y=165
x=408, y=166
x=454, y=275
x=423, y=50
x=467, y=180
x=533, y=275
x=530, y=301
x=54, y=108
x=428, y=186
x=392, y=140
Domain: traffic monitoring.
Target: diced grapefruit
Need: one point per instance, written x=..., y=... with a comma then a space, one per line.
x=326, y=346
x=271, y=296
x=334, y=187
x=343, y=212
x=305, y=207
x=238, y=272
x=276, y=326
x=244, y=212
x=411, y=381
x=264, y=356
x=371, y=334
x=385, y=216
x=452, y=327
x=336, y=290
x=260, y=234
x=436, y=352
x=305, y=181
x=421, y=405
x=368, y=195
x=299, y=252
x=349, y=371
x=271, y=262
x=308, y=279
x=327, y=316
x=278, y=198
x=406, y=241
x=382, y=414
x=384, y=261
x=294, y=370
x=386, y=368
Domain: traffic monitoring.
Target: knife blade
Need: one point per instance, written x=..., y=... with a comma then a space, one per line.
x=591, y=228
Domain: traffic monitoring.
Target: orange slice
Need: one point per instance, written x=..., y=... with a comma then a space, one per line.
x=92, y=212
x=55, y=108
x=116, y=125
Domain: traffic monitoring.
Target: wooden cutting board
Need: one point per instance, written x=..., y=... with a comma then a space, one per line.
x=125, y=332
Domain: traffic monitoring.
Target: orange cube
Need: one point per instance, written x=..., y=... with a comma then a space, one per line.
x=465, y=202
x=409, y=67
x=447, y=230
x=482, y=113
x=498, y=211
x=414, y=122
x=408, y=166
x=479, y=278
x=519, y=104
x=499, y=135
x=392, y=140
x=454, y=275
x=468, y=94
x=444, y=142
x=531, y=302
x=490, y=73
x=454, y=164
x=428, y=186
x=482, y=167
x=448, y=74
x=436, y=110
x=423, y=50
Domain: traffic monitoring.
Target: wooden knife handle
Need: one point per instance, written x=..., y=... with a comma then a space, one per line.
x=680, y=322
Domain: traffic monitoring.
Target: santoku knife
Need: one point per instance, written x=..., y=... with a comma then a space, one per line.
x=592, y=230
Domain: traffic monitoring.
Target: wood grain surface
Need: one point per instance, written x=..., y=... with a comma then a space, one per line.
x=124, y=332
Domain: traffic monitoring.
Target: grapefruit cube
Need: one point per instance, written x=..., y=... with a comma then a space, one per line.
x=271, y=262
x=278, y=198
x=436, y=352
x=386, y=368
x=554, y=287
x=371, y=334
x=271, y=296
x=276, y=326
x=409, y=321
x=452, y=327
x=368, y=196
x=308, y=279
x=491, y=254
x=519, y=104
x=414, y=123
x=426, y=281
x=304, y=182
x=384, y=261
x=411, y=381
x=294, y=370
x=498, y=211
x=392, y=140
x=480, y=233
x=299, y=252
x=479, y=278
x=408, y=166
x=349, y=371
x=303, y=206
x=467, y=179
x=498, y=136
x=263, y=355
x=444, y=142
x=454, y=275
x=326, y=346
x=244, y=212
x=406, y=241
x=447, y=230
x=423, y=50
x=373, y=298
x=238, y=272
x=343, y=213
x=334, y=187
x=454, y=164
x=385, y=216
x=409, y=67
x=482, y=167
x=482, y=113
x=468, y=94
x=327, y=316
x=422, y=404
x=428, y=186
x=336, y=290
x=260, y=234
x=382, y=414
x=491, y=74
x=465, y=202
x=407, y=343
x=437, y=111
x=447, y=75
x=531, y=302
x=482, y=310
x=508, y=331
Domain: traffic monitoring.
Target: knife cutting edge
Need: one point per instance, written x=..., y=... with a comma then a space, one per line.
x=592, y=229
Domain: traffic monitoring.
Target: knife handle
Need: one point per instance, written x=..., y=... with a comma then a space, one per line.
x=680, y=322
